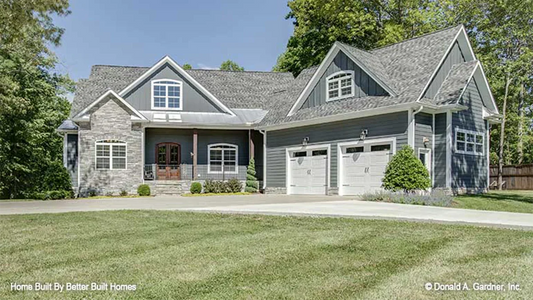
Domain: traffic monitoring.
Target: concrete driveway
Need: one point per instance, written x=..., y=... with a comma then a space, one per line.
x=280, y=205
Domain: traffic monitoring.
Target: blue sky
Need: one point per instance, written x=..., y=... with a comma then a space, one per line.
x=202, y=33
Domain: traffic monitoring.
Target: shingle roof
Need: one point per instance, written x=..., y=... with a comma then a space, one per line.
x=405, y=67
x=454, y=83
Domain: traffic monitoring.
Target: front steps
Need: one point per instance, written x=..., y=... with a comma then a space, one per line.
x=169, y=187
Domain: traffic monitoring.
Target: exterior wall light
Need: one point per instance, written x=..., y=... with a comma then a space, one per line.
x=305, y=141
x=363, y=135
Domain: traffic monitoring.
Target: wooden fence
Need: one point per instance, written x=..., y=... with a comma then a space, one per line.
x=515, y=177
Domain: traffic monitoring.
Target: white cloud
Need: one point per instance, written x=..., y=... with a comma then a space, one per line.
x=206, y=67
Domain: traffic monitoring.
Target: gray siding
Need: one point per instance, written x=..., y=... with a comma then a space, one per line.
x=364, y=84
x=193, y=100
x=72, y=158
x=423, y=128
x=184, y=137
x=469, y=171
x=454, y=57
x=390, y=125
x=439, y=156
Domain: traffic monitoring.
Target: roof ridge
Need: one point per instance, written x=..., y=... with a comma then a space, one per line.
x=416, y=37
x=230, y=71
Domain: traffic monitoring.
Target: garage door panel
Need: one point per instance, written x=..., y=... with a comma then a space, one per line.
x=308, y=174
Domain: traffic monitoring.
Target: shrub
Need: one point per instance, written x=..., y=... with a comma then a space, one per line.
x=143, y=190
x=109, y=194
x=53, y=195
x=123, y=193
x=252, y=185
x=92, y=193
x=209, y=186
x=233, y=186
x=55, y=178
x=435, y=198
x=196, y=188
x=405, y=172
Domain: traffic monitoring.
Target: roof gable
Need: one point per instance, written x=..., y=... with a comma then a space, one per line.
x=180, y=71
x=85, y=114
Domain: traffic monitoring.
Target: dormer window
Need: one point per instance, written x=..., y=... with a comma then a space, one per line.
x=340, y=85
x=167, y=94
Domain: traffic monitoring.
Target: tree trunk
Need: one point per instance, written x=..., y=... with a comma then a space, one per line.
x=520, y=146
x=502, y=131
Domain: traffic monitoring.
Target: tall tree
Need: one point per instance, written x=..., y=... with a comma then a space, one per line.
x=187, y=67
x=230, y=65
x=32, y=96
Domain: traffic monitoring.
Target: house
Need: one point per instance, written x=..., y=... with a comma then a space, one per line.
x=330, y=130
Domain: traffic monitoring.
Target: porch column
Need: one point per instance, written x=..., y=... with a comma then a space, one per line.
x=251, y=147
x=195, y=154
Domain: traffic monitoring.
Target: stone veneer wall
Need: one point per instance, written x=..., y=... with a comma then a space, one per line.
x=110, y=121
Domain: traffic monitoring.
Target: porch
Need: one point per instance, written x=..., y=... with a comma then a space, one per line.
x=198, y=154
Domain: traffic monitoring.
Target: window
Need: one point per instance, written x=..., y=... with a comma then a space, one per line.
x=340, y=85
x=380, y=147
x=354, y=150
x=299, y=154
x=166, y=94
x=110, y=155
x=222, y=158
x=468, y=142
x=319, y=152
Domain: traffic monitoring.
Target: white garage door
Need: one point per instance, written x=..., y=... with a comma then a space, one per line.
x=308, y=172
x=363, y=167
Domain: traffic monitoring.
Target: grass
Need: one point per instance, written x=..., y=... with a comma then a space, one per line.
x=512, y=201
x=216, y=194
x=178, y=255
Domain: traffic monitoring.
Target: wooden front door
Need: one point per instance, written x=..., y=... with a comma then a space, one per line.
x=168, y=158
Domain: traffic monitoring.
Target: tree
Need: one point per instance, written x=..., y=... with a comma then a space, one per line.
x=363, y=24
x=230, y=65
x=32, y=97
x=252, y=185
x=187, y=67
x=405, y=172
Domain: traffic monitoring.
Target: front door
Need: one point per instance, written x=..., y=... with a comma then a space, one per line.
x=168, y=158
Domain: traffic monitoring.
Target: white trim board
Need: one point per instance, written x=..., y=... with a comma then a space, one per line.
x=183, y=73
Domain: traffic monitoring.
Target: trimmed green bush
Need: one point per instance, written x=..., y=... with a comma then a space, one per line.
x=209, y=186
x=252, y=185
x=196, y=188
x=53, y=195
x=123, y=193
x=55, y=178
x=143, y=190
x=233, y=186
x=405, y=172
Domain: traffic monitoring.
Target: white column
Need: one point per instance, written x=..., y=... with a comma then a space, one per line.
x=449, y=145
x=410, y=129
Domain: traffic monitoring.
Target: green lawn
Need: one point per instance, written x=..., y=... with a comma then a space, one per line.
x=513, y=201
x=176, y=255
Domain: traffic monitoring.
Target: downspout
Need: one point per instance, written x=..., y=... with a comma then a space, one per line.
x=411, y=127
x=263, y=132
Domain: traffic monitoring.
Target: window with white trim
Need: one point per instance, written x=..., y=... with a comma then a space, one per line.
x=222, y=158
x=469, y=142
x=110, y=155
x=340, y=85
x=167, y=94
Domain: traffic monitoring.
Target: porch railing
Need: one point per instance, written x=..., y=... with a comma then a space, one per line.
x=203, y=172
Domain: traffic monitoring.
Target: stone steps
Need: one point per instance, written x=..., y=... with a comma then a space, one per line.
x=169, y=187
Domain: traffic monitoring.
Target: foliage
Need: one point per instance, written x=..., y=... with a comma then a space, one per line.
x=435, y=198
x=234, y=185
x=196, y=188
x=187, y=67
x=55, y=178
x=230, y=65
x=216, y=194
x=405, y=172
x=363, y=24
x=231, y=186
x=143, y=190
x=252, y=185
x=53, y=195
x=32, y=97
x=123, y=193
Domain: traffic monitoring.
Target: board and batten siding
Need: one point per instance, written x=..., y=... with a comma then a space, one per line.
x=192, y=99
x=364, y=84
x=468, y=170
x=423, y=129
x=381, y=126
x=72, y=158
x=455, y=56
x=439, y=155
